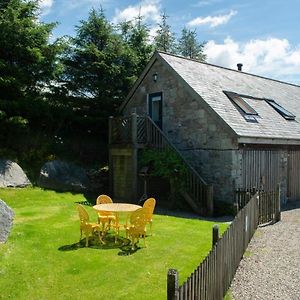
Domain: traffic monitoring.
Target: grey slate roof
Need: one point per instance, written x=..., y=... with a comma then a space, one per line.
x=210, y=81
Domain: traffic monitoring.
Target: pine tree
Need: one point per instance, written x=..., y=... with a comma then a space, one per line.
x=99, y=65
x=28, y=62
x=139, y=43
x=164, y=39
x=188, y=45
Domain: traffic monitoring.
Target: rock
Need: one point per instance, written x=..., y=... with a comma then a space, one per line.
x=6, y=221
x=63, y=176
x=12, y=175
x=98, y=180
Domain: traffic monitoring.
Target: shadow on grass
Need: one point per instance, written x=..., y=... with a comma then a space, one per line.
x=121, y=243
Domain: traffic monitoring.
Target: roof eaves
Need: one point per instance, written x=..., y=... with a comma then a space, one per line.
x=268, y=140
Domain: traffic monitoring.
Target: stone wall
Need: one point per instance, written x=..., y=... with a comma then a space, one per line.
x=123, y=174
x=203, y=138
x=193, y=127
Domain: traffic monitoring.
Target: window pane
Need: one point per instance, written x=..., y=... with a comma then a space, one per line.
x=286, y=114
x=242, y=104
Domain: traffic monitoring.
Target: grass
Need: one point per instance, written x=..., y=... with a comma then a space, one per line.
x=43, y=259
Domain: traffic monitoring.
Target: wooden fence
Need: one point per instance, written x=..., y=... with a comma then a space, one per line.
x=268, y=202
x=212, y=278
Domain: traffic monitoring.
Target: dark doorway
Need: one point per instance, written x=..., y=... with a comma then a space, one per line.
x=155, y=108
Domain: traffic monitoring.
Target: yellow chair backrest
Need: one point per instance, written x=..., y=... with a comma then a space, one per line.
x=102, y=199
x=85, y=226
x=149, y=204
x=138, y=219
x=83, y=215
x=137, y=228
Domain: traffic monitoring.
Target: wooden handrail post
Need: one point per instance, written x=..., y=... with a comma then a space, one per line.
x=148, y=134
x=134, y=128
x=210, y=200
x=215, y=234
x=278, y=206
x=110, y=130
x=172, y=284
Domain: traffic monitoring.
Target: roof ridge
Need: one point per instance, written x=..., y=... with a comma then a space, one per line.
x=225, y=68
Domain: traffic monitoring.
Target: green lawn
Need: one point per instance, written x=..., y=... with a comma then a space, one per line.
x=44, y=260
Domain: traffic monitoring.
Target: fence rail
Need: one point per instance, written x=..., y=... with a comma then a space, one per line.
x=212, y=278
x=142, y=130
x=268, y=202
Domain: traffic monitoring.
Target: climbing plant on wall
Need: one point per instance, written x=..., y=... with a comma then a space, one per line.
x=168, y=165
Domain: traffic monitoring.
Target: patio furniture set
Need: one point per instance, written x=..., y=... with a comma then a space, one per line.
x=109, y=218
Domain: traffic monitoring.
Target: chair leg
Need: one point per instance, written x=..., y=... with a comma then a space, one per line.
x=151, y=228
x=87, y=239
x=100, y=237
x=132, y=243
x=80, y=234
x=117, y=235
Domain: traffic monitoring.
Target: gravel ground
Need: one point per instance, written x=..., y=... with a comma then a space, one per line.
x=270, y=268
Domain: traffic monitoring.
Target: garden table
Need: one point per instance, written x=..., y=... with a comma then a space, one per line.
x=117, y=209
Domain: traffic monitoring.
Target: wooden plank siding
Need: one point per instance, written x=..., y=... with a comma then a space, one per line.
x=293, y=178
x=260, y=169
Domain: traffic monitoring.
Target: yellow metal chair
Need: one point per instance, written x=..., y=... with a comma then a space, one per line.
x=105, y=218
x=137, y=227
x=85, y=226
x=149, y=205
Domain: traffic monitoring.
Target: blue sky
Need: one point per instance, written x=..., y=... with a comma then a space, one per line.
x=263, y=35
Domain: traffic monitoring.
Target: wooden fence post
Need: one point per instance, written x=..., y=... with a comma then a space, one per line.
x=172, y=284
x=278, y=206
x=236, y=208
x=215, y=234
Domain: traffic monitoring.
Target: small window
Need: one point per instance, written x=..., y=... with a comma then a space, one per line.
x=286, y=114
x=242, y=103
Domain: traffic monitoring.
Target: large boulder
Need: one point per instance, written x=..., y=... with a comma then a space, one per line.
x=6, y=221
x=12, y=175
x=63, y=176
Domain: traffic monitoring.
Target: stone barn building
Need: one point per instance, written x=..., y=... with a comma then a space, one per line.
x=234, y=129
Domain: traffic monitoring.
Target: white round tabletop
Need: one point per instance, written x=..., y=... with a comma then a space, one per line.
x=116, y=207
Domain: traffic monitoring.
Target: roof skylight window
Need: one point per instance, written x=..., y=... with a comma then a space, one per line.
x=286, y=114
x=241, y=102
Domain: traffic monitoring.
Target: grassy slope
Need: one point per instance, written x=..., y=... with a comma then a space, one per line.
x=33, y=265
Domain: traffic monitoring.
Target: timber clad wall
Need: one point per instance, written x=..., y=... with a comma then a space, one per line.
x=261, y=169
x=293, y=178
x=264, y=169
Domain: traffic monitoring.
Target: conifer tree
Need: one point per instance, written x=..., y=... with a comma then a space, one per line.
x=188, y=45
x=164, y=39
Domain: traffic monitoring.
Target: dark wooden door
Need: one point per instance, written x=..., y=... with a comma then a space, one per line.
x=155, y=108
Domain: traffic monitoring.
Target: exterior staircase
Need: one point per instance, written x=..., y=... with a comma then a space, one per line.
x=127, y=135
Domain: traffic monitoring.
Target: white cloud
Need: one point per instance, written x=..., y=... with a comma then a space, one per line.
x=75, y=4
x=206, y=2
x=45, y=6
x=212, y=21
x=272, y=57
x=148, y=9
